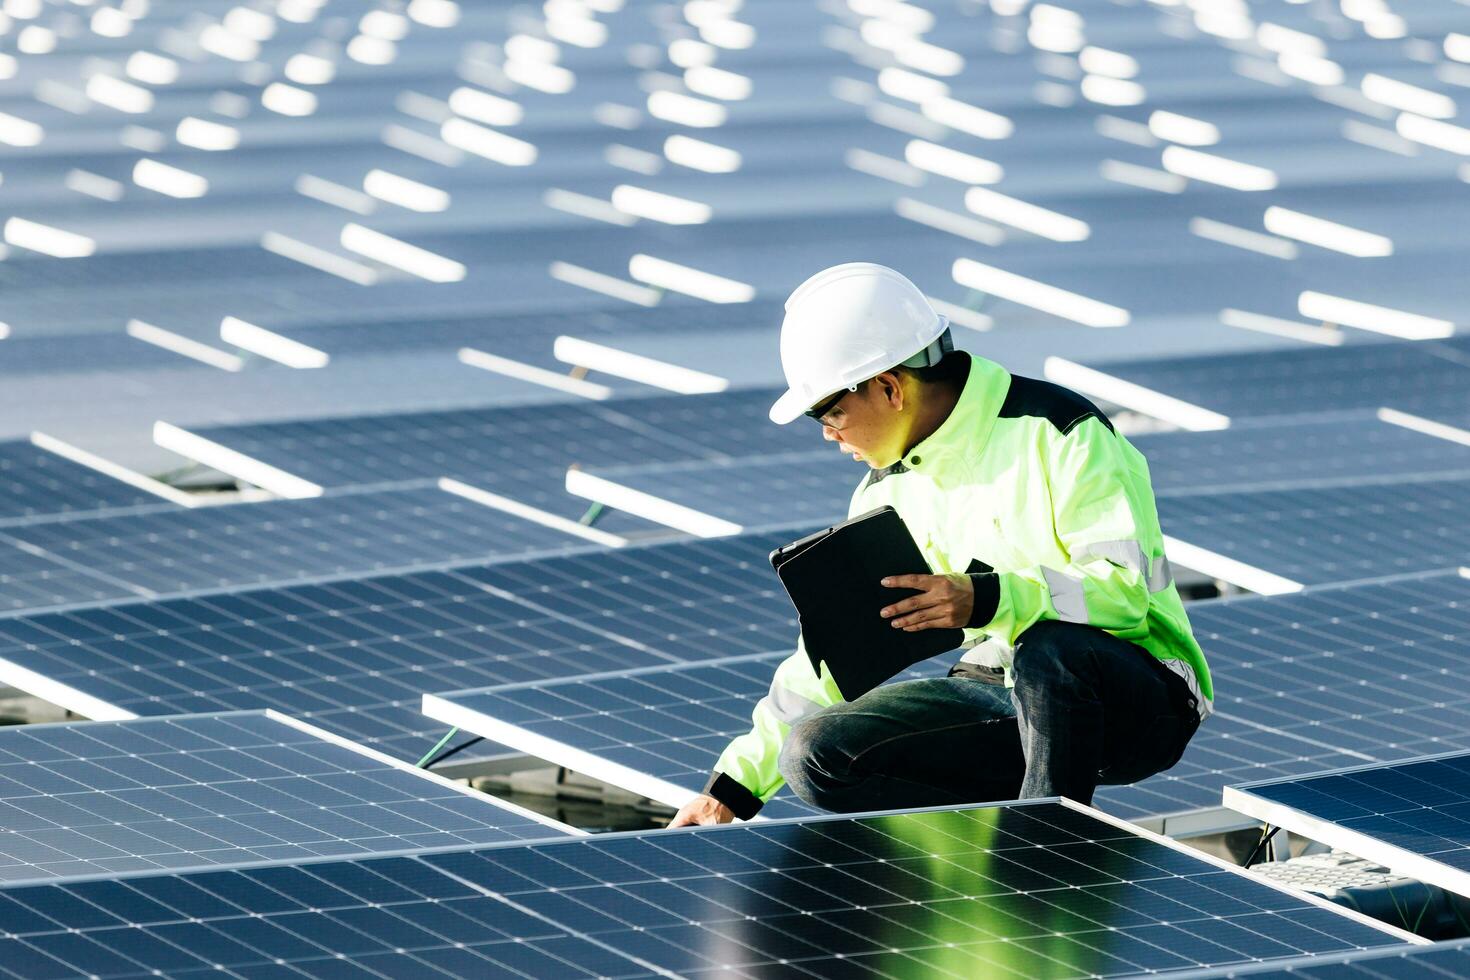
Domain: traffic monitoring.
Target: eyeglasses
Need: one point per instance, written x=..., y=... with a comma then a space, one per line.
x=819, y=412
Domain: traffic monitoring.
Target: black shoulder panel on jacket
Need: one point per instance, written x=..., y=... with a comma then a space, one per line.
x=1062, y=407
x=876, y=476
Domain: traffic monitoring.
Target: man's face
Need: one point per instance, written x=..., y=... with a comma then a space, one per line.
x=866, y=423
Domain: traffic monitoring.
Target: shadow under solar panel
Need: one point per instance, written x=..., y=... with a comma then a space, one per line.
x=1413, y=817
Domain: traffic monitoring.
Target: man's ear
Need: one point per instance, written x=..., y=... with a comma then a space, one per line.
x=890, y=389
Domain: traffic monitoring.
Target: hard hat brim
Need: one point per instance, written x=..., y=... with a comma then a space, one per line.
x=788, y=408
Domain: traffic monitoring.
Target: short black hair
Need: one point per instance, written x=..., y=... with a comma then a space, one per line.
x=954, y=367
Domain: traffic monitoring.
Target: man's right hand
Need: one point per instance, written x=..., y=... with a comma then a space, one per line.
x=702, y=811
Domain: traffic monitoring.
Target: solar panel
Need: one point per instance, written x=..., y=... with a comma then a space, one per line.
x=1303, y=683
x=1026, y=889
x=175, y=550
x=1327, y=678
x=1413, y=817
x=356, y=656
x=1407, y=376
x=1261, y=456
x=1326, y=534
x=501, y=442
x=34, y=483
x=525, y=333
x=815, y=486
x=653, y=731
x=1433, y=962
x=195, y=791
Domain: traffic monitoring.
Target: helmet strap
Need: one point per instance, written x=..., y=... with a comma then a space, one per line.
x=932, y=354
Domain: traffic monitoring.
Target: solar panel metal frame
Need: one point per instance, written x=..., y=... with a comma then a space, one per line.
x=1241, y=797
x=443, y=707
x=554, y=828
x=1410, y=964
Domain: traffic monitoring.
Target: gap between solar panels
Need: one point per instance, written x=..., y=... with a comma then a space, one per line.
x=1412, y=817
x=653, y=731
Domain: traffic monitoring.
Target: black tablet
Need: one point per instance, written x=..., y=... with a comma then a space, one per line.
x=832, y=578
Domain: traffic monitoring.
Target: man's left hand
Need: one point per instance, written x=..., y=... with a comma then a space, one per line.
x=945, y=601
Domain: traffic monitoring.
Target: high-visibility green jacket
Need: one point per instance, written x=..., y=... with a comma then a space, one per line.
x=1030, y=479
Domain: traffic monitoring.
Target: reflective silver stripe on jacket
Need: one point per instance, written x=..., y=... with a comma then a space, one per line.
x=1067, y=596
x=1129, y=553
x=1183, y=669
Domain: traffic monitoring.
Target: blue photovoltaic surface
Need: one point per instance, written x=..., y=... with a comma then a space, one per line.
x=667, y=723
x=1015, y=891
x=356, y=656
x=494, y=445
x=1319, y=680
x=1413, y=809
x=1258, y=455
x=34, y=482
x=1303, y=683
x=1330, y=534
x=1427, y=377
x=193, y=791
x=238, y=545
x=816, y=486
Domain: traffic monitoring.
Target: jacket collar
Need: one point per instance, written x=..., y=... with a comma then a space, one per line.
x=965, y=431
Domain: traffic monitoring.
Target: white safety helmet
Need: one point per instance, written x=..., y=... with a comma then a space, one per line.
x=848, y=323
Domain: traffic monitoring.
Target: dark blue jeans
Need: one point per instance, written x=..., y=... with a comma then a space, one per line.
x=1087, y=709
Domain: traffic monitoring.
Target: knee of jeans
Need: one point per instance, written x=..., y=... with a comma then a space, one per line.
x=1044, y=650
x=805, y=755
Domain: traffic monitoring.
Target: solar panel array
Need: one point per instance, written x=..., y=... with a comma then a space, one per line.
x=241, y=545
x=1327, y=678
x=655, y=731
x=34, y=482
x=1313, y=456
x=1330, y=534
x=1413, y=816
x=1022, y=890
x=389, y=186
x=192, y=791
x=1428, y=378
x=355, y=656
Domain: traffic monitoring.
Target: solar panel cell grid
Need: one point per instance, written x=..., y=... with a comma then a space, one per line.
x=1307, y=682
x=96, y=798
x=1309, y=381
x=34, y=482
x=1026, y=890
x=356, y=656
x=1320, y=680
x=1331, y=534
x=494, y=445
x=230, y=546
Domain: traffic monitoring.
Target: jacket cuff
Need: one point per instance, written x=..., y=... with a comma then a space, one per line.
x=987, y=598
x=741, y=801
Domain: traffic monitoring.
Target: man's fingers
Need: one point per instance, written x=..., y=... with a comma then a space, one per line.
x=909, y=581
x=911, y=604
x=932, y=615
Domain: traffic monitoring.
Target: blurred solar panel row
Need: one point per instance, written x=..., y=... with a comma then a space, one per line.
x=372, y=369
